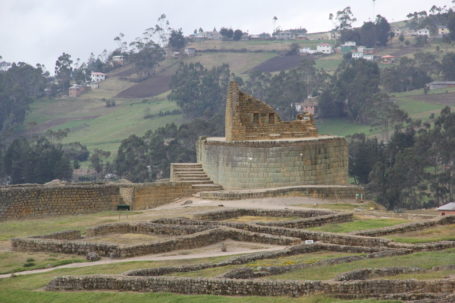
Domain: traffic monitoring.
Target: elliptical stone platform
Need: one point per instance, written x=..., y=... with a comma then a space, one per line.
x=261, y=151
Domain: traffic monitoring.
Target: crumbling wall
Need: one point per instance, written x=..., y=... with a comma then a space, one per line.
x=248, y=118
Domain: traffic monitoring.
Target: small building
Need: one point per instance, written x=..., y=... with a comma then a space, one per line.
x=388, y=59
x=357, y=55
x=309, y=106
x=447, y=209
x=324, y=48
x=443, y=30
x=76, y=90
x=307, y=51
x=97, y=76
x=440, y=84
x=118, y=60
x=397, y=31
x=284, y=35
x=368, y=51
x=423, y=32
x=190, y=51
x=368, y=57
x=333, y=35
x=350, y=43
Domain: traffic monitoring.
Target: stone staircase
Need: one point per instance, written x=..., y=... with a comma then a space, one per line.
x=194, y=174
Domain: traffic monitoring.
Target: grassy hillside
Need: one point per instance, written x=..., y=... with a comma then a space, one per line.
x=98, y=126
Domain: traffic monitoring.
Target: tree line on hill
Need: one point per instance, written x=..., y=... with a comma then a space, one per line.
x=414, y=169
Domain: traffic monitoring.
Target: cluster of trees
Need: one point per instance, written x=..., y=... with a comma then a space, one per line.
x=414, y=169
x=20, y=85
x=230, y=34
x=34, y=161
x=149, y=157
x=200, y=92
x=358, y=89
x=284, y=89
x=370, y=34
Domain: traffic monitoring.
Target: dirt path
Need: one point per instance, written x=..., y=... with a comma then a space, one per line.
x=160, y=257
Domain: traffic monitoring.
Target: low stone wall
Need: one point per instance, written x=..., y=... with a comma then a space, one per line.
x=263, y=271
x=313, y=191
x=311, y=222
x=202, y=239
x=326, y=237
x=144, y=228
x=195, y=240
x=238, y=212
x=62, y=235
x=232, y=287
x=407, y=227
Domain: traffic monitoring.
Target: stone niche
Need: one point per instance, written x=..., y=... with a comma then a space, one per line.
x=261, y=151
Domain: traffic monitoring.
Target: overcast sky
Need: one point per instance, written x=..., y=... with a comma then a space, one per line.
x=38, y=31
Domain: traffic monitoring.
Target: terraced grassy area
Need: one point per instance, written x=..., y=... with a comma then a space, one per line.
x=358, y=224
x=420, y=259
x=27, y=288
x=11, y=262
x=97, y=126
x=434, y=234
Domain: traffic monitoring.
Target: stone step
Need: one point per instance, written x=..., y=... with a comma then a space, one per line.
x=191, y=174
x=207, y=187
x=197, y=181
x=194, y=178
x=187, y=169
x=187, y=165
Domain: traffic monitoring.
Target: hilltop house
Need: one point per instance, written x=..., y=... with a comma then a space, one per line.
x=190, y=51
x=423, y=32
x=440, y=84
x=309, y=106
x=307, y=51
x=388, y=59
x=97, y=77
x=118, y=60
x=443, y=30
x=284, y=35
x=76, y=90
x=397, y=31
x=324, y=48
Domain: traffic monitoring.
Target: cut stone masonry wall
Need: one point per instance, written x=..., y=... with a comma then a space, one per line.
x=35, y=201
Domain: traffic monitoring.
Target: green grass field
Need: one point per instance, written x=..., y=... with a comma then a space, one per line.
x=434, y=234
x=342, y=127
x=424, y=260
x=358, y=224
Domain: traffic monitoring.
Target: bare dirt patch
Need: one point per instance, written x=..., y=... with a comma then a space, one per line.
x=278, y=63
x=151, y=87
x=445, y=99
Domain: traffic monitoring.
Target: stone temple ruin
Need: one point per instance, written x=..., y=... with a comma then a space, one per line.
x=261, y=151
